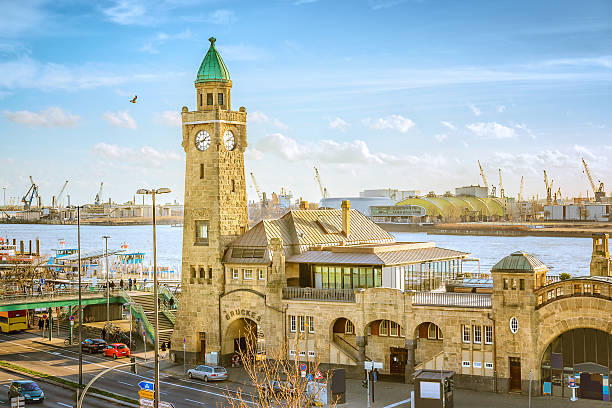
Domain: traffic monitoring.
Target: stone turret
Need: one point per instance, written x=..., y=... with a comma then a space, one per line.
x=600, y=259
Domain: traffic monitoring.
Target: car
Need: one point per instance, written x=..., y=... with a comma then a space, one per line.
x=208, y=373
x=93, y=345
x=27, y=389
x=116, y=350
x=278, y=388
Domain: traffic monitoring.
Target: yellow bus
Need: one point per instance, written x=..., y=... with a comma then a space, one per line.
x=14, y=320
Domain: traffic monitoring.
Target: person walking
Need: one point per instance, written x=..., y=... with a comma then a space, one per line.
x=121, y=283
x=41, y=326
x=130, y=284
x=135, y=286
x=163, y=350
x=104, y=333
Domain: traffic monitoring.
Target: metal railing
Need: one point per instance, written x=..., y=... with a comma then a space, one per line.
x=17, y=297
x=137, y=311
x=450, y=299
x=330, y=295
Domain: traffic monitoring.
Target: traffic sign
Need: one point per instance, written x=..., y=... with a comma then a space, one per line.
x=184, y=340
x=146, y=385
x=146, y=403
x=309, y=378
x=303, y=367
x=164, y=404
x=147, y=394
x=72, y=318
x=318, y=375
x=42, y=281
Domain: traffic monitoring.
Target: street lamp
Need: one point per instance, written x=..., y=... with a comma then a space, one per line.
x=153, y=192
x=78, y=208
x=106, y=237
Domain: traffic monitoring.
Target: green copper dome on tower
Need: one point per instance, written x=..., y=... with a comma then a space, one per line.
x=213, y=68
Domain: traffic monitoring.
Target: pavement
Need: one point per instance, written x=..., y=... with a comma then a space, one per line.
x=30, y=351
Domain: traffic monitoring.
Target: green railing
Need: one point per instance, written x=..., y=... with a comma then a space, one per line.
x=138, y=311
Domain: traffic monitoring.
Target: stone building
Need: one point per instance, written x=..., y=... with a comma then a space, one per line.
x=331, y=285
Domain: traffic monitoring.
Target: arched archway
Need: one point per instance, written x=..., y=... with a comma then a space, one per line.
x=429, y=345
x=584, y=353
x=343, y=337
x=386, y=342
x=243, y=335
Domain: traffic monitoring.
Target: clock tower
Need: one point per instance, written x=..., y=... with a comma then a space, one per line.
x=214, y=140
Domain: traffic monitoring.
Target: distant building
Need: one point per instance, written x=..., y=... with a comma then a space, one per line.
x=360, y=204
x=394, y=194
x=577, y=212
x=472, y=191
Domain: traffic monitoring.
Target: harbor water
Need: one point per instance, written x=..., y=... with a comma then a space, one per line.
x=561, y=254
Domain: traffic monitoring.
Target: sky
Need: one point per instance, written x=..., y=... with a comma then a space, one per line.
x=400, y=94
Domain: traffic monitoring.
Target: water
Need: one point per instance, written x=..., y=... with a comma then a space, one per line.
x=561, y=254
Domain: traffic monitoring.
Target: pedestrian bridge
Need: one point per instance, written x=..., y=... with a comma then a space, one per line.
x=57, y=298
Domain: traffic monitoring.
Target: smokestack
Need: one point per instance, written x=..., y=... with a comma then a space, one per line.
x=30, y=247
x=21, y=248
x=37, y=247
x=346, y=218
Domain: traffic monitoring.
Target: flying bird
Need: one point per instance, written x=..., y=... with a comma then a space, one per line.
x=134, y=100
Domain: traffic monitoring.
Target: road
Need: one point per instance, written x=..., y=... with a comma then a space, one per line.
x=182, y=392
x=55, y=396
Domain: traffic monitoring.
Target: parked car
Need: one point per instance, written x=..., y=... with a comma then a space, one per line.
x=278, y=388
x=208, y=373
x=116, y=350
x=93, y=345
x=27, y=389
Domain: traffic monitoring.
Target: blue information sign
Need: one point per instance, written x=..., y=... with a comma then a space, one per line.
x=146, y=385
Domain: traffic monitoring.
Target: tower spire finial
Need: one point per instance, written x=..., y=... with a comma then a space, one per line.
x=212, y=41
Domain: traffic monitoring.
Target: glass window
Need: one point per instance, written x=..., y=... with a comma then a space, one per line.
x=596, y=289
x=514, y=325
x=302, y=324
x=383, y=328
x=488, y=334
x=346, y=282
x=201, y=229
x=587, y=288
x=355, y=277
x=559, y=291
x=311, y=326
x=505, y=283
x=369, y=278
x=348, y=327
x=248, y=274
x=576, y=289
x=522, y=284
x=318, y=277
x=338, y=277
x=262, y=274
x=292, y=324
x=466, y=333
x=363, y=278
x=477, y=335
x=220, y=99
x=440, y=337
x=513, y=284
x=209, y=99
x=432, y=331
x=377, y=277
x=393, y=329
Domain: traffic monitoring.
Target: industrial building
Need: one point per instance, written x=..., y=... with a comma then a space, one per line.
x=392, y=193
x=361, y=204
x=577, y=212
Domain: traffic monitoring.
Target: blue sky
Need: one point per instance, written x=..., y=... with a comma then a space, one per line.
x=376, y=93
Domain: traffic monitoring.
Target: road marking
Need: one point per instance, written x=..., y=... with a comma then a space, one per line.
x=197, y=402
x=123, y=382
x=23, y=355
x=64, y=405
x=397, y=404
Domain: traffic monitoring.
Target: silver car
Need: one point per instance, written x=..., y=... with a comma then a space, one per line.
x=208, y=373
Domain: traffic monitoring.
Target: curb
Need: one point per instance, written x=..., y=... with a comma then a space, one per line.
x=62, y=385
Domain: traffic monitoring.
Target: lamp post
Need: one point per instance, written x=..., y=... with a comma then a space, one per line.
x=153, y=192
x=106, y=237
x=78, y=208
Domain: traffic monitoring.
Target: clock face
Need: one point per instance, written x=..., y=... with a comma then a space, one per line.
x=229, y=140
x=202, y=140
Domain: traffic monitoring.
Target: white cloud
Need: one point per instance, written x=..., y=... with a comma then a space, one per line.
x=501, y=108
x=262, y=118
x=491, y=130
x=161, y=38
x=120, y=119
x=448, y=125
x=475, y=110
x=51, y=117
x=394, y=122
x=170, y=118
x=441, y=137
x=222, y=17
x=382, y=4
x=583, y=151
x=339, y=124
x=145, y=155
x=127, y=12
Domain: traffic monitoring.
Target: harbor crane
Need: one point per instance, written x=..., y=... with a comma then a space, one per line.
x=98, y=199
x=520, y=195
x=323, y=190
x=260, y=195
x=548, y=189
x=501, y=186
x=597, y=191
x=57, y=200
x=484, y=180
x=29, y=196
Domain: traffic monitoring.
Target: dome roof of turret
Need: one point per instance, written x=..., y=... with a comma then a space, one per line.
x=213, y=68
x=519, y=261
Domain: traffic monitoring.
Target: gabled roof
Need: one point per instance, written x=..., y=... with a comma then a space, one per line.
x=213, y=68
x=519, y=261
x=300, y=229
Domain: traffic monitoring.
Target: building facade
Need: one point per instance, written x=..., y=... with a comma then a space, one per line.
x=332, y=286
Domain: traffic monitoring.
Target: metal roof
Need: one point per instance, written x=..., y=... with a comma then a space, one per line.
x=519, y=261
x=213, y=68
x=401, y=257
x=89, y=254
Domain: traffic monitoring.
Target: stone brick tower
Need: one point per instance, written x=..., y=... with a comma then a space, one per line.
x=600, y=259
x=214, y=139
